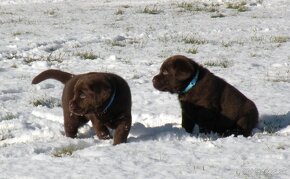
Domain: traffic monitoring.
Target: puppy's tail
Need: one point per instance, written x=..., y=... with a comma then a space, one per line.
x=52, y=74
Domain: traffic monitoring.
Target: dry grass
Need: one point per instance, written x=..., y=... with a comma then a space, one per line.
x=218, y=63
x=151, y=10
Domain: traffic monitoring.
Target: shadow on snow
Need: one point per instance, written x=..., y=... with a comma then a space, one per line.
x=139, y=132
x=274, y=123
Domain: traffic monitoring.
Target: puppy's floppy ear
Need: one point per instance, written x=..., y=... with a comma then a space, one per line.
x=184, y=69
x=102, y=90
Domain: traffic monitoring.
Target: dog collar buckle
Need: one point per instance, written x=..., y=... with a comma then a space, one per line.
x=192, y=83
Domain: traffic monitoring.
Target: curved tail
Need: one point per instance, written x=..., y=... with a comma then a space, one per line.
x=52, y=74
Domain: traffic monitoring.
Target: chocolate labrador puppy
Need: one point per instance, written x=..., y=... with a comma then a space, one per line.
x=205, y=99
x=102, y=98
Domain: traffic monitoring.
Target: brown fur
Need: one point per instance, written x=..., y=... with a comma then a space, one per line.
x=212, y=103
x=85, y=98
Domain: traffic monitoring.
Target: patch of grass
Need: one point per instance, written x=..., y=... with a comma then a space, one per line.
x=51, y=12
x=29, y=60
x=12, y=56
x=280, y=39
x=151, y=10
x=194, y=40
x=240, y=6
x=55, y=57
x=256, y=38
x=279, y=76
x=195, y=7
x=226, y=44
x=281, y=79
x=17, y=20
x=281, y=147
x=254, y=55
x=17, y=33
x=65, y=151
x=218, y=63
x=118, y=44
x=134, y=41
x=242, y=9
x=87, y=55
x=5, y=13
x=212, y=8
x=8, y=116
x=125, y=6
x=50, y=58
x=188, y=6
x=218, y=15
x=48, y=102
x=119, y=12
x=14, y=66
x=192, y=50
x=126, y=61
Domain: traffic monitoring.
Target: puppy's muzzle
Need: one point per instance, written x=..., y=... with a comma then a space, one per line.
x=155, y=82
x=73, y=108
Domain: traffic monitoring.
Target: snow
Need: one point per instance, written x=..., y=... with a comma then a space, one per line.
x=248, y=49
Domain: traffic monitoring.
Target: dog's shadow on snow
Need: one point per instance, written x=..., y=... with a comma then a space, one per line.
x=273, y=123
x=140, y=132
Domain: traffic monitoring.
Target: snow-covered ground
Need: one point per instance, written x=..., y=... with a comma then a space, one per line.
x=248, y=44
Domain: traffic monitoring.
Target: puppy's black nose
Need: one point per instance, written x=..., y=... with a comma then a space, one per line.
x=154, y=81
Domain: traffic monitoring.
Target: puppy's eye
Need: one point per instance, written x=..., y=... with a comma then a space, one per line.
x=82, y=96
x=165, y=72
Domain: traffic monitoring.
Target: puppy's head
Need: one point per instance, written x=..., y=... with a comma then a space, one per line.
x=175, y=74
x=90, y=94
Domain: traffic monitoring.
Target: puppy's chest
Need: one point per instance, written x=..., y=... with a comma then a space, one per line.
x=108, y=120
x=206, y=102
x=193, y=99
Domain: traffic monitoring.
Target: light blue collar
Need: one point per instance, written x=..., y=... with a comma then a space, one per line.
x=192, y=83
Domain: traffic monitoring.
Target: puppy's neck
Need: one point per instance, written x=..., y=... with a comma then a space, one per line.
x=192, y=83
x=108, y=103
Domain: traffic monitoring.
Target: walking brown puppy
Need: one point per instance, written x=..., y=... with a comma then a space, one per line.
x=102, y=98
x=205, y=99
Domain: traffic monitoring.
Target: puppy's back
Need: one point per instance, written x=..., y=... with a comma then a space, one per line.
x=121, y=83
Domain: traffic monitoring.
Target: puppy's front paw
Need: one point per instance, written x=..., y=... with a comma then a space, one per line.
x=104, y=135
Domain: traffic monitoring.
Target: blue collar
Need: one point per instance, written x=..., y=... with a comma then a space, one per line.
x=109, y=103
x=192, y=83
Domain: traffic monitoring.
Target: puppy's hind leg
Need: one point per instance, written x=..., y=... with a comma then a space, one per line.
x=122, y=130
x=249, y=119
x=246, y=124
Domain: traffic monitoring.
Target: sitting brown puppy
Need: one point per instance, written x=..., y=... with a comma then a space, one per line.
x=205, y=99
x=102, y=98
